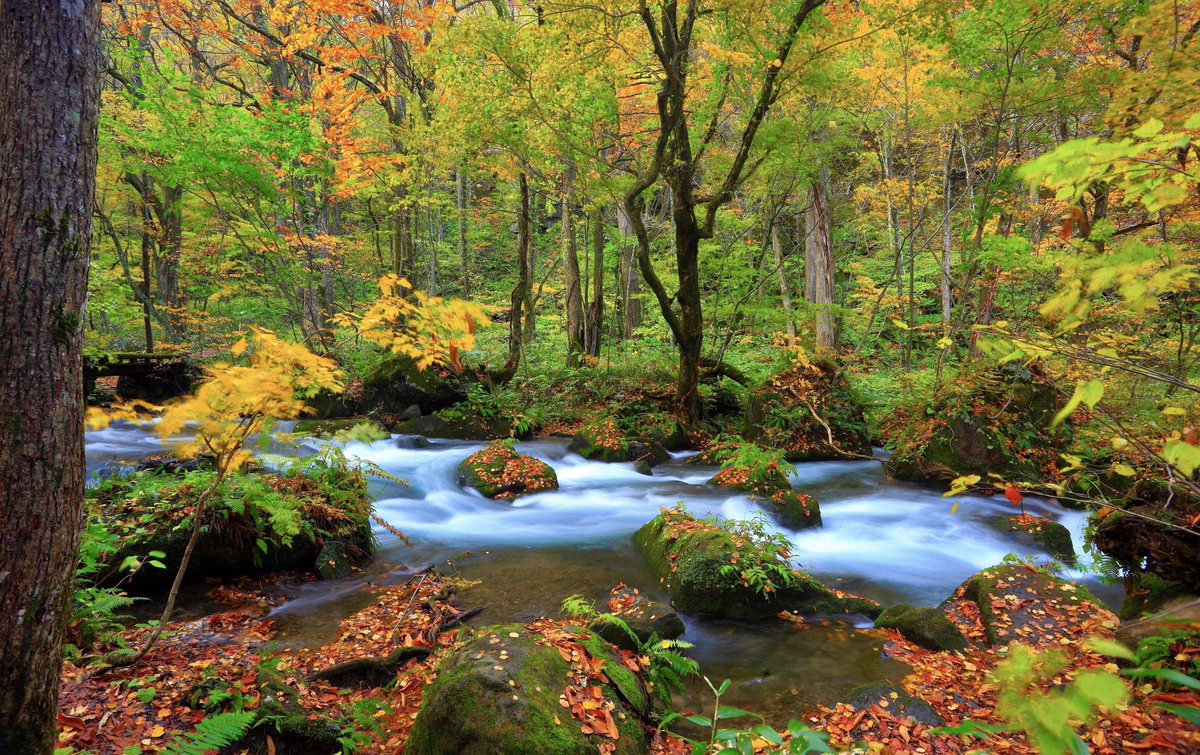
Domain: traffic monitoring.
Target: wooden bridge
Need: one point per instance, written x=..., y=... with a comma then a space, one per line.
x=162, y=373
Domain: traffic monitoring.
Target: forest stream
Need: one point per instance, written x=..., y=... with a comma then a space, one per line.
x=882, y=539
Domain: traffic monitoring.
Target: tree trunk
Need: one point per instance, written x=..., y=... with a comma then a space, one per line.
x=785, y=295
x=631, y=306
x=50, y=87
x=520, y=294
x=571, y=274
x=818, y=263
x=460, y=196
x=947, y=207
x=147, y=244
x=595, y=327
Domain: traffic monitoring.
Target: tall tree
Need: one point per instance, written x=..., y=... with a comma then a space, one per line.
x=50, y=87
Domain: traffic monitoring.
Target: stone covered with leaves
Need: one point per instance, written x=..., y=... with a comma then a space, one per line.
x=760, y=473
x=605, y=440
x=735, y=570
x=256, y=522
x=997, y=422
x=810, y=413
x=927, y=627
x=1036, y=533
x=1012, y=599
x=545, y=687
x=498, y=471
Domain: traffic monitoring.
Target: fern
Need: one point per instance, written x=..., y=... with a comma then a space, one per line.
x=212, y=734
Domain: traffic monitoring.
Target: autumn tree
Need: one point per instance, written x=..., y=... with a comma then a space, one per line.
x=49, y=84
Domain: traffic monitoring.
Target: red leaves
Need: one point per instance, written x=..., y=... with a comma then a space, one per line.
x=1013, y=494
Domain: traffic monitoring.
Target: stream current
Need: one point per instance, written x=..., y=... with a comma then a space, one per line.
x=890, y=541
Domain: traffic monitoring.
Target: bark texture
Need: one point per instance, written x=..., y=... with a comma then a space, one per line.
x=49, y=87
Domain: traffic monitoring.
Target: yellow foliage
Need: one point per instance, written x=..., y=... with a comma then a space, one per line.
x=431, y=330
x=236, y=401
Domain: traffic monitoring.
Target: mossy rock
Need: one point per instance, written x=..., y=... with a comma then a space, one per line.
x=780, y=414
x=896, y=701
x=702, y=565
x=1039, y=534
x=772, y=491
x=603, y=440
x=1149, y=593
x=1150, y=532
x=1012, y=601
x=151, y=512
x=455, y=427
x=334, y=562
x=985, y=426
x=659, y=428
x=927, y=627
x=644, y=617
x=500, y=472
x=500, y=693
x=1169, y=616
x=396, y=384
x=345, y=430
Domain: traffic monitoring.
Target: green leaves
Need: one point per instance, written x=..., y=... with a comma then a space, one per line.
x=1088, y=393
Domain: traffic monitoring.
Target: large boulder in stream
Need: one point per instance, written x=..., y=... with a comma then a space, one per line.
x=768, y=486
x=991, y=423
x=810, y=413
x=604, y=440
x=1024, y=603
x=500, y=472
x=726, y=571
x=539, y=688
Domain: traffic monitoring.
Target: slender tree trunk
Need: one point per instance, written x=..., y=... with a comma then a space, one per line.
x=818, y=263
x=575, y=334
x=147, y=244
x=595, y=327
x=50, y=90
x=461, y=199
x=785, y=294
x=631, y=306
x=947, y=208
x=520, y=294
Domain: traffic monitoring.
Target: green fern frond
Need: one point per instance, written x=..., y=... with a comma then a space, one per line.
x=211, y=734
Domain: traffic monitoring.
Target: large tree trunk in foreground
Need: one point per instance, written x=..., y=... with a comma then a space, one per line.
x=50, y=88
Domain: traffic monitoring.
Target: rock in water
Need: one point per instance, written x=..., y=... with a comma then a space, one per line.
x=772, y=490
x=1035, y=533
x=512, y=691
x=603, y=440
x=333, y=562
x=710, y=570
x=500, y=472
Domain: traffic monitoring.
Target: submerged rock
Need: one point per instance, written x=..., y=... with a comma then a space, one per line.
x=1035, y=533
x=513, y=690
x=810, y=413
x=711, y=570
x=896, y=701
x=927, y=627
x=333, y=562
x=500, y=472
x=603, y=440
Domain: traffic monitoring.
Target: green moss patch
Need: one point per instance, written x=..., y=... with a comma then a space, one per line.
x=927, y=627
x=500, y=472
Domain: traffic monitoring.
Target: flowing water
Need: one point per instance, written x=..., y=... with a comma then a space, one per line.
x=890, y=541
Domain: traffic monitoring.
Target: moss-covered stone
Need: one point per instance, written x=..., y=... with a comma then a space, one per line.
x=151, y=512
x=1038, y=534
x=659, y=428
x=1148, y=593
x=603, y=440
x=810, y=413
x=710, y=570
x=1012, y=601
x=1152, y=531
x=995, y=422
x=500, y=695
x=927, y=627
x=346, y=430
x=772, y=491
x=334, y=562
x=644, y=617
x=396, y=384
x=500, y=472
x=457, y=426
